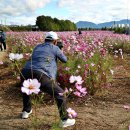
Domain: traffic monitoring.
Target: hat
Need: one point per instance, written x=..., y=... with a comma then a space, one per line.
x=51, y=35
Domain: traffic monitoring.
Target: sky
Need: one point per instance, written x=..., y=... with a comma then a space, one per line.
x=24, y=12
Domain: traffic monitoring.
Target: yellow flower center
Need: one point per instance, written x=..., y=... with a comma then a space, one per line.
x=71, y=113
x=31, y=87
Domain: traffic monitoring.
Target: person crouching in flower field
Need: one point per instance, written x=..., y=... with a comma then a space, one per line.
x=43, y=67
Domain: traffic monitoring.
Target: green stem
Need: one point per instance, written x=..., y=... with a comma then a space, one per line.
x=18, y=69
x=35, y=107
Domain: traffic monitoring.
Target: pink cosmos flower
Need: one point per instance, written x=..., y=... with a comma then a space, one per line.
x=86, y=66
x=92, y=54
x=78, y=94
x=31, y=86
x=78, y=86
x=27, y=55
x=83, y=91
x=67, y=68
x=85, y=73
x=126, y=107
x=71, y=113
x=103, y=51
x=1, y=63
x=129, y=127
x=66, y=91
x=92, y=64
x=18, y=77
x=61, y=94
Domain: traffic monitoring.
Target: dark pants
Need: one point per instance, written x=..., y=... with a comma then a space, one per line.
x=4, y=44
x=47, y=86
x=1, y=46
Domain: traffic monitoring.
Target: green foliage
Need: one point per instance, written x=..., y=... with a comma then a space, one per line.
x=96, y=77
x=97, y=74
x=21, y=28
x=55, y=126
x=46, y=23
x=17, y=28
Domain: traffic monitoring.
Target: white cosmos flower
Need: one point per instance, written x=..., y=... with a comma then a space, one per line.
x=77, y=79
x=11, y=56
x=16, y=56
x=92, y=54
x=31, y=86
x=72, y=79
x=79, y=66
x=112, y=71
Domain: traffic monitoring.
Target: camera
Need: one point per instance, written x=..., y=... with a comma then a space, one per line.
x=60, y=45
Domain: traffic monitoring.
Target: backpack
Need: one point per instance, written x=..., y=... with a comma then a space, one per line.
x=2, y=37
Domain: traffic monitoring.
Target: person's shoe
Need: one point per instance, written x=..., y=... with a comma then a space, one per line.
x=25, y=114
x=66, y=123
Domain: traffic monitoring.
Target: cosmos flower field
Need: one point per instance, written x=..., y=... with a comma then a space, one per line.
x=90, y=56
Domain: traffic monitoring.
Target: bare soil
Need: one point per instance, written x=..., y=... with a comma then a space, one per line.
x=103, y=111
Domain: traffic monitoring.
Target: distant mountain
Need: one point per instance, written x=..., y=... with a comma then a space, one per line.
x=86, y=24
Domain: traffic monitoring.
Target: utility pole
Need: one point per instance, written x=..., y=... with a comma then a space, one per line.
x=114, y=24
x=127, y=25
x=5, y=21
x=1, y=21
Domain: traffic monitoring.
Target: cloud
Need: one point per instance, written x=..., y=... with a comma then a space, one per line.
x=20, y=7
x=17, y=11
x=22, y=20
x=96, y=10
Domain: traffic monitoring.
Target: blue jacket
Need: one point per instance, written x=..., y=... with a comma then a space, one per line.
x=2, y=36
x=44, y=59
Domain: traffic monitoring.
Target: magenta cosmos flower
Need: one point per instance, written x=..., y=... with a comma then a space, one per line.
x=71, y=113
x=86, y=66
x=31, y=86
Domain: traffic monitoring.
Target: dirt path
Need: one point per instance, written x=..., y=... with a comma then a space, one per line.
x=2, y=55
x=104, y=111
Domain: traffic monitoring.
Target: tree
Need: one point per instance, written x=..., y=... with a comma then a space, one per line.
x=46, y=23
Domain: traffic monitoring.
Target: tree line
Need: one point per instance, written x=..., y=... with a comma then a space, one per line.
x=118, y=30
x=46, y=23
x=43, y=23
